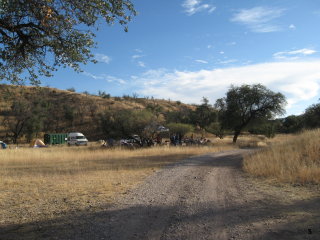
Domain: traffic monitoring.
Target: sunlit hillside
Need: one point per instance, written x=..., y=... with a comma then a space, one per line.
x=67, y=111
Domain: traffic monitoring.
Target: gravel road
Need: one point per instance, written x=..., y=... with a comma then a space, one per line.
x=203, y=197
x=209, y=197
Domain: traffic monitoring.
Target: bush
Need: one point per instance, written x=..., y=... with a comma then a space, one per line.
x=180, y=128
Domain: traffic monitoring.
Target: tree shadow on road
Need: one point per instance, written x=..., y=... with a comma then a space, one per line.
x=255, y=220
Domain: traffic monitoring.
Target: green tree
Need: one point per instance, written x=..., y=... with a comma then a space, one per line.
x=312, y=116
x=216, y=129
x=244, y=104
x=124, y=123
x=182, y=115
x=17, y=118
x=204, y=114
x=37, y=36
x=180, y=128
x=292, y=124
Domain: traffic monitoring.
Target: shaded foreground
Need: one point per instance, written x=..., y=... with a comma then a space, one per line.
x=206, y=197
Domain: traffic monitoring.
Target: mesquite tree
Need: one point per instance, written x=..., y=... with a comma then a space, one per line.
x=37, y=36
x=244, y=104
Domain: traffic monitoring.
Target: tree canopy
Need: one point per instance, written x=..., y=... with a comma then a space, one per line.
x=312, y=116
x=37, y=36
x=244, y=104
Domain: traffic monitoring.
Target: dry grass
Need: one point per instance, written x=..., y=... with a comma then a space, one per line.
x=42, y=184
x=295, y=160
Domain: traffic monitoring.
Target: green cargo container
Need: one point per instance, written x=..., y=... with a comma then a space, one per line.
x=55, y=138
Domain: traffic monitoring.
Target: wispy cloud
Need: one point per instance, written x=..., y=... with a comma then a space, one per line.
x=141, y=64
x=259, y=19
x=105, y=77
x=228, y=61
x=136, y=56
x=194, y=6
x=102, y=58
x=293, y=55
x=231, y=43
x=292, y=27
x=299, y=81
x=201, y=61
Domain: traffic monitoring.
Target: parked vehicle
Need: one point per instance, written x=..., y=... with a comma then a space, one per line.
x=55, y=138
x=76, y=138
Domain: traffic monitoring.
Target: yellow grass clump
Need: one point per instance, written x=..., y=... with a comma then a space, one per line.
x=42, y=184
x=296, y=160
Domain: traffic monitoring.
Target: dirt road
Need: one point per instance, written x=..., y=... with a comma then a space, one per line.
x=205, y=197
x=209, y=197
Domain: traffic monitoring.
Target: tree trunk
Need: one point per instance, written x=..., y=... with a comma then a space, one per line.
x=235, y=136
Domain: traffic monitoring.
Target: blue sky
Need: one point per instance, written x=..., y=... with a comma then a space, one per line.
x=188, y=49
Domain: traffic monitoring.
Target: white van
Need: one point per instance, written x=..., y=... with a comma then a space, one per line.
x=76, y=138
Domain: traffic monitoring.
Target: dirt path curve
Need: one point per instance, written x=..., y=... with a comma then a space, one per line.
x=209, y=197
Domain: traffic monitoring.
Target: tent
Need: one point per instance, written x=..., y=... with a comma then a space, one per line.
x=3, y=145
x=37, y=143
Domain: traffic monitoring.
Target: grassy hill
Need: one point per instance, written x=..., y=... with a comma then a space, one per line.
x=67, y=111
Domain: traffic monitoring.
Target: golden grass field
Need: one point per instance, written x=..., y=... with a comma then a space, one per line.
x=46, y=183
x=293, y=159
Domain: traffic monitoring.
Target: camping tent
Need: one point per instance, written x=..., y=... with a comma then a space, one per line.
x=3, y=145
x=37, y=143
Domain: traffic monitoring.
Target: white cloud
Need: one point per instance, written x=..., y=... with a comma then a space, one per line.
x=136, y=56
x=105, y=77
x=194, y=6
x=292, y=27
x=141, y=64
x=102, y=58
x=259, y=19
x=209, y=46
x=293, y=55
x=299, y=81
x=201, y=61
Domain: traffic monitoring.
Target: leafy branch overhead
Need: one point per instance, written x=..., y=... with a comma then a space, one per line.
x=37, y=36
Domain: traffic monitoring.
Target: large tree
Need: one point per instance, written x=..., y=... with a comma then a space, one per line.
x=244, y=104
x=37, y=36
x=312, y=116
x=204, y=114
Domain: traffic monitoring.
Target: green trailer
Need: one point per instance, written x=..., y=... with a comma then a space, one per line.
x=55, y=138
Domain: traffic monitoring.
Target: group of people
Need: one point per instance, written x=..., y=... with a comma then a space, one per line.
x=136, y=141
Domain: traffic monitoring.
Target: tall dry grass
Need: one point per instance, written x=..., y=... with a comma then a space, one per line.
x=295, y=160
x=42, y=184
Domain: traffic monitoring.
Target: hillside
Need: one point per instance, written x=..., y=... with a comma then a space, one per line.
x=54, y=110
